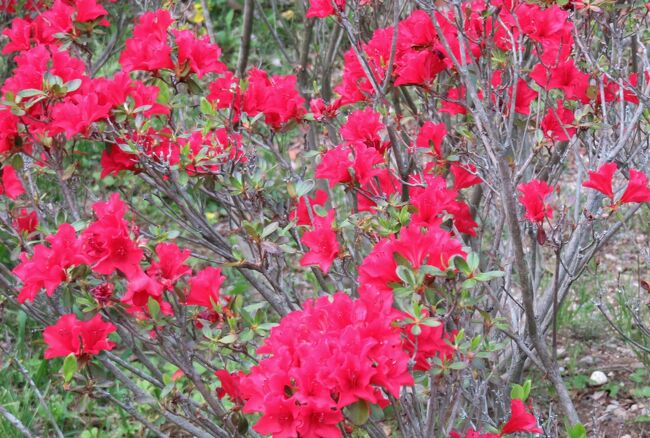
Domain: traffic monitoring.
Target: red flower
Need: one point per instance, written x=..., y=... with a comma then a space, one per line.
x=140, y=288
x=204, y=288
x=431, y=201
x=103, y=293
x=89, y=10
x=25, y=222
x=325, y=8
x=8, y=130
x=520, y=420
x=107, y=242
x=431, y=342
x=533, y=198
x=321, y=110
x=225, y=92
x=81, y=338
x=637, y=190
x=548, y=26
x=148, y=48
x=170, y=265
x=10, y=185
x=434, y=200
x=431, y=136
x=322, y=243
x=524, y=94
x=332, y=353
x=464, y=176
x=302, y=210
x=419, y=67
x=75, y=114
x=432, y=246
x=46, y=269
x=199, y=55
x=275, y=97
x=455, y=102
x=121, y=87
x=229, y=385
x=566, y=77
x=336, y=164
x=19, y=36
x=363, y=126
x=356, y=85
x=556, y=125
x=56, y=20
x=601, y=180
x=280, y=419
x=382, y=186
x=114, y=160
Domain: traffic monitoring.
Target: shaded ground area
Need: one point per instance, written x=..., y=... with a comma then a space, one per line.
x=620, y=407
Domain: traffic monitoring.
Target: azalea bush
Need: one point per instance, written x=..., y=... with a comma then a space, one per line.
x=354, y=219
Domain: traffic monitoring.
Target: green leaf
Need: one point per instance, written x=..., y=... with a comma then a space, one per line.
x=358, y=412
x=228, y=339
x=527, y=385
x=404, y=216
x=578, y=430
x=69, y=367
x=154, y=308
x=469, y=283
x=192, y=86
x=304, y=187
x=431, y=270
x=206, y=107
x=458, y=366
x=472, y=261
x=72, y=85
x=462, y=265
x=142, y=108
x=487, y=276
x=17, y=111
x=166, y=390
x=269, y=229
x=431, y=322
x=517, y=392
x=29, y=92
x=405, y=274
x=416, y=330
x=644, y=391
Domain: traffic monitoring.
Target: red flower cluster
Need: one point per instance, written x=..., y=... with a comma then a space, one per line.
x=275, y=97
x=48, y=266
x=533, y=198
x=321, y=240
x=25, y=222
x=107, y=242
x=52, y=23
x=204, y=288
x=349, y=164
x=10, y=185
x=435, y=200
x=333, y=353
x=82, y=338
x=363, y=126
x=303, y=213
x=637, y=190
x=429, y=246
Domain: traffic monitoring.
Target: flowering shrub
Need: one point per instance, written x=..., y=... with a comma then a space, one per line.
x=249, y=248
